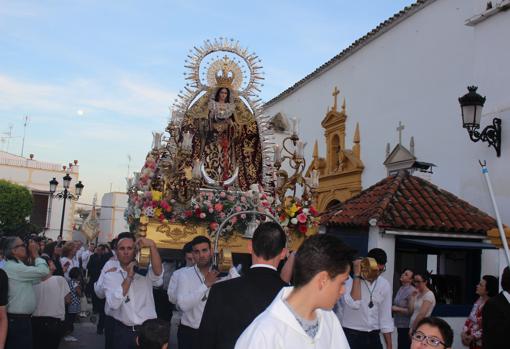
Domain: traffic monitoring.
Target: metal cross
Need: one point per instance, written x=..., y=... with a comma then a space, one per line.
x=400, y=128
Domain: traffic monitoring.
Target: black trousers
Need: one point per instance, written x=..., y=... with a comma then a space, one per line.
x=108, y=331
x=46, y=332
x=403, y=340
x=19, y=332
x=124, y=337
x=363, y=340
x=185, y=336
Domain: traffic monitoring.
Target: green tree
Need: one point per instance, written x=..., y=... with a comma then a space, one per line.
x=15, y=207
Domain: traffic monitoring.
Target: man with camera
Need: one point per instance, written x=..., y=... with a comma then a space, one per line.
x=365, y=308
x=129, y=298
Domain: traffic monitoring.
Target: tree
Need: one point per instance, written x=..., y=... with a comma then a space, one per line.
x=15, y=207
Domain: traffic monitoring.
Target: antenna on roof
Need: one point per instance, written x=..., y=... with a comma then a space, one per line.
x=24, y=133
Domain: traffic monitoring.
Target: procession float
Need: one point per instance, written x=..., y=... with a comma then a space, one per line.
x=216, y=170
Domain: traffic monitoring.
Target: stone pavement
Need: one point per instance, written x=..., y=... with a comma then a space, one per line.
x=85, y=332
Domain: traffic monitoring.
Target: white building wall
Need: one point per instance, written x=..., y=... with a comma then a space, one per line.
x=415, y=73
x=112, y=221
x=36, y=175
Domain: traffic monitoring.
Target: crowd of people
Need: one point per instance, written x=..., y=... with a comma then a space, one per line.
x=315, y=297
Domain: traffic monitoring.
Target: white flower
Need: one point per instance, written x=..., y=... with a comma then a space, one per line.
x=294, y=221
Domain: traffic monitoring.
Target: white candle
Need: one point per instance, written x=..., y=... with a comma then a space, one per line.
x=300, y=150
x=295, y=126
x=315, y=179
x=187, y=139
x=156, y=140
x=277, y=153
x=196, y=169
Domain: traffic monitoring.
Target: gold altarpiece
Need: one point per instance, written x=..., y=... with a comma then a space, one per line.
x=340, y=171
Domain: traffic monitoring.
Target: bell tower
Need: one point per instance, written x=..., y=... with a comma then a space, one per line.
x=340, y=171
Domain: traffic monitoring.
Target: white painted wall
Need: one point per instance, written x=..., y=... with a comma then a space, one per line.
x=414, y=73
x=36, y=175
x=112, y=221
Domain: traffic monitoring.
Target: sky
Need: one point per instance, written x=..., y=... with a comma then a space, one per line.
x=96, y=78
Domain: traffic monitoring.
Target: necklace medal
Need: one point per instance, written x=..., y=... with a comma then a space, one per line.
x=371, y=304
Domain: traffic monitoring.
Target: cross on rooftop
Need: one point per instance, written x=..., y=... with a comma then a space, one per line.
x=400, y=128
x=335, y=93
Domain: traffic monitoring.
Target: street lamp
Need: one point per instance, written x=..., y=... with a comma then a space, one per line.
x=65, y=195
x=471, y=105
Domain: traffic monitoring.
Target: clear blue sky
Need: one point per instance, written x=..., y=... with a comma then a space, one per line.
x=97, y=77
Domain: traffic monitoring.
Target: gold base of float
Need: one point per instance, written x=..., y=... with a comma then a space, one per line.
x=175, y=235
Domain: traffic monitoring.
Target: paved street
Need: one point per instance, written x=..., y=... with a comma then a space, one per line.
x=85, y=332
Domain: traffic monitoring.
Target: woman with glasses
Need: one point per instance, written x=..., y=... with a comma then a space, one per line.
x=21, y=295
x=472, y=332
x=432, y=332
x=424, y=300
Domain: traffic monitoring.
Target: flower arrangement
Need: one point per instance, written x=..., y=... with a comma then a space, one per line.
x=297, y=215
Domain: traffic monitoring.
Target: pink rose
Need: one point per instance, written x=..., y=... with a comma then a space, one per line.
x=218, y=207
x=301, y=218
x=238, y=208
x=211, y=210
x=202, y=215
x=223, y=194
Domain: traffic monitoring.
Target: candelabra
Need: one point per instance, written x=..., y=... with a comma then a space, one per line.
x=293, y=159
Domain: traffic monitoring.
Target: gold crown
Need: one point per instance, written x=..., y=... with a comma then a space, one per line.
x=223, y=79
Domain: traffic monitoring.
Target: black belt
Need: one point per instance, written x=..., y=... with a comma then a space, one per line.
x=362, y=332
x=19, y=316
x=134, y=328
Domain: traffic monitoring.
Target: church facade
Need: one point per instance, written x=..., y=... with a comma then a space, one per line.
x=402, y=80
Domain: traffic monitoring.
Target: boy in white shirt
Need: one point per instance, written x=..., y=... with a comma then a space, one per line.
x=302, y=316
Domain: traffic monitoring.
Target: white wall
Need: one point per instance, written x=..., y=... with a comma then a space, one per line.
x=112, y=221
x=414, y=73
x=36, y=175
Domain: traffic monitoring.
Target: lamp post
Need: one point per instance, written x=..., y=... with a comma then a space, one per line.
x=471, y=105
x=65, y=194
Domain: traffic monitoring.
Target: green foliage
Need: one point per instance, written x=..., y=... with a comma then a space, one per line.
x=15, y=206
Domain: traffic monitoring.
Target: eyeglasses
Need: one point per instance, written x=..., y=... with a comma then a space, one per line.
x=430, y=340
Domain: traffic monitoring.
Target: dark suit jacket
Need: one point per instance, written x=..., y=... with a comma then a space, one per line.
x=496, y=323
x=232, y=305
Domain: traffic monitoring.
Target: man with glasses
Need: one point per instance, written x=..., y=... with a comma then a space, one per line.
x=365, y=308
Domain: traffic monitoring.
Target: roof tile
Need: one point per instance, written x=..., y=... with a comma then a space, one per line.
x=403, y=201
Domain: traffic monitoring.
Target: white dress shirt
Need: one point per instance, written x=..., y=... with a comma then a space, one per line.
x=85, y=256
x=191, y=294
x=99, y=284
x=357, y=315
x=138, y=304
x=172, y=286
x=72, y=264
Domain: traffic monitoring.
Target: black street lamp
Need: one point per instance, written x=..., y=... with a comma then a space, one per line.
x=471, y=105
x=65, y=195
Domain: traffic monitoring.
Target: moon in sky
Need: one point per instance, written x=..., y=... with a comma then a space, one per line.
x=80, y=112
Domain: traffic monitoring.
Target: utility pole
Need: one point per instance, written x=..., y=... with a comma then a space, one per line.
x=24, y=133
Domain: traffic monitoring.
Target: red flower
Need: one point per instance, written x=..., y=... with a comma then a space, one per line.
x=218, y=207
x=188, y=213
x=213, y=226
x=313, y=211
x=198, y=212
x=302, y=228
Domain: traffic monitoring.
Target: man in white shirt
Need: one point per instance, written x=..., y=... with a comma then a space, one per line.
x=85, y=256
x=365, y=309
x=187, y=251
x=129, y=298
x=302, y=316
x=192, y=290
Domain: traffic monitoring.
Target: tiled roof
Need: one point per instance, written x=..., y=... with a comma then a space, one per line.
x=355, y=46
x=403, y=201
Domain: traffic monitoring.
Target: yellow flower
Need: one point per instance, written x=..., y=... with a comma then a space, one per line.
x=157, y=212
x=291, y=211
x=156, y=195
